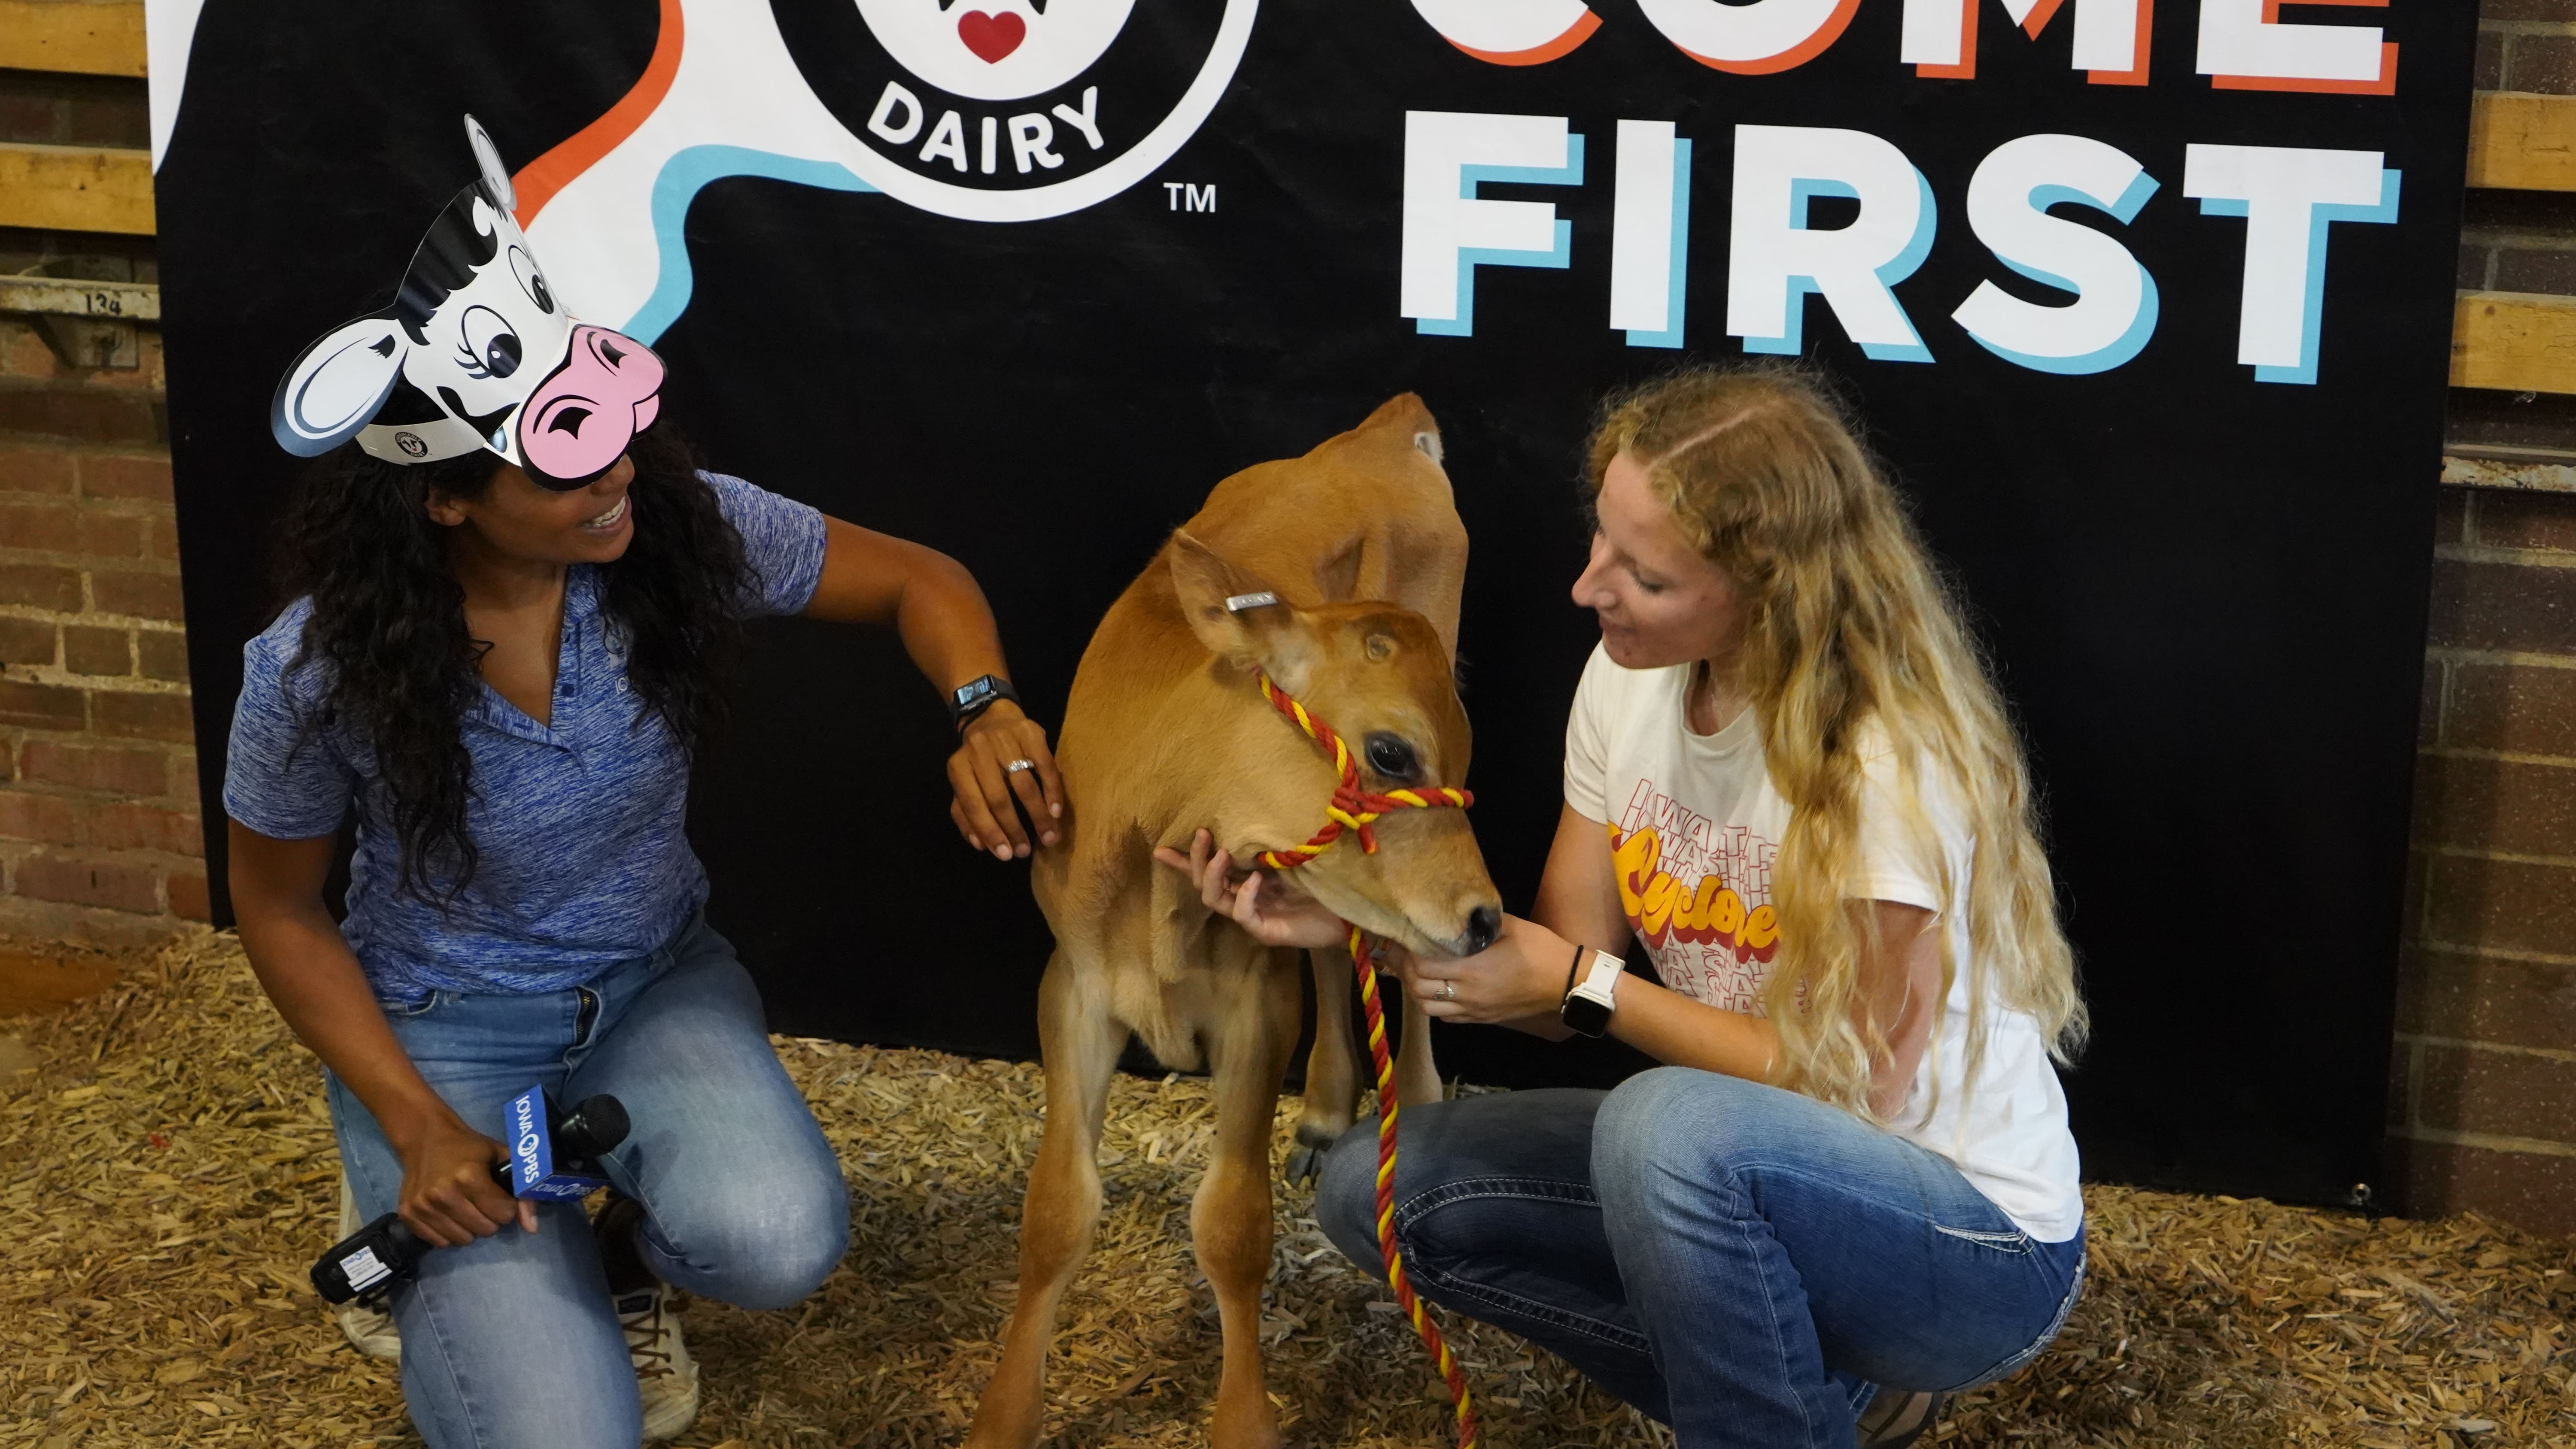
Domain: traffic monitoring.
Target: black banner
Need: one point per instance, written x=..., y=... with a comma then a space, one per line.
x=2154, y=338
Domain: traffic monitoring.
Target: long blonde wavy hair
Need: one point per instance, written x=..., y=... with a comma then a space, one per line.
x=1848, y=625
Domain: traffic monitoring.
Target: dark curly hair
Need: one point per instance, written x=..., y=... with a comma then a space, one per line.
x=388, y=621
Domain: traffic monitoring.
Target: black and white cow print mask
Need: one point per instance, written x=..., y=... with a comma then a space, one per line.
x=475, y=352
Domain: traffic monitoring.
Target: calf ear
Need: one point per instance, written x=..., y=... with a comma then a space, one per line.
x=1264, y=636
x=335, y=388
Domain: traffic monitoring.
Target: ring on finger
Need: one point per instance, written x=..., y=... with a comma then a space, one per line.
x=1448, y=991
x=1015, y=766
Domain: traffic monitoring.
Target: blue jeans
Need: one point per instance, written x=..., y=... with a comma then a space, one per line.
x=511, y=1340
x=1742, y=1263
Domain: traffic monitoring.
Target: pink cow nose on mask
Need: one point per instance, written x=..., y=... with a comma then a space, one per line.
x=579, y=421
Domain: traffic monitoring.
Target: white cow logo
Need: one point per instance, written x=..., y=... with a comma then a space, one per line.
x=723, y=95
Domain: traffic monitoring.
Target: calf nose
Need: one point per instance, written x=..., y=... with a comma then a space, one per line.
x=1484, y=927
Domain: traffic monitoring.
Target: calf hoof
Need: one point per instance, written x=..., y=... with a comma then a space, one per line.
x=1306, y=1162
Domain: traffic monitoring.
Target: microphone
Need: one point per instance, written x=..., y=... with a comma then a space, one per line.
x=554, y=1156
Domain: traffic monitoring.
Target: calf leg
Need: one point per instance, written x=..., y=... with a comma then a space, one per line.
x=1417, y=1076
x=1332, y=1068
x=1080, y=1041
x=1230, y=1221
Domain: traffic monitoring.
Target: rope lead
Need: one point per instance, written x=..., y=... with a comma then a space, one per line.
x=1356, y=811
x=1396, y=1277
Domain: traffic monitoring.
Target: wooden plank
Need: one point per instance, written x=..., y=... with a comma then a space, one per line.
x=2514, y=342
x=2547, y=470
x=91, y=37
x=76, y=188
x=65, y=297
x=36, y=978
x=2522, y=142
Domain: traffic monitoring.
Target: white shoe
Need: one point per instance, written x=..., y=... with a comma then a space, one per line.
x=369, y=1328
x=666, y=1378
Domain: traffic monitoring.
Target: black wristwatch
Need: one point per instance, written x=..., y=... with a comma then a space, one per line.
x=978, y=695
x=1587, y=1003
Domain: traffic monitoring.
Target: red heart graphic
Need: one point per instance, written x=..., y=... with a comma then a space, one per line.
x=991, y=36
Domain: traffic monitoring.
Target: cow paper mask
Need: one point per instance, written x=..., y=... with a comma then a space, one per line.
x=475, y=351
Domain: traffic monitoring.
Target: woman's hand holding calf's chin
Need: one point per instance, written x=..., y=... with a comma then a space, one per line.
x=1280, y=917
x=1520, y=976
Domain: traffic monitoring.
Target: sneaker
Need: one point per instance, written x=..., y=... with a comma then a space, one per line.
x=1896, y=1418
x=368, y=1327
x=666, y=1378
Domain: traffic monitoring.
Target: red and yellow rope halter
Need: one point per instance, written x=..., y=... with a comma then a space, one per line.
x=1354, y=811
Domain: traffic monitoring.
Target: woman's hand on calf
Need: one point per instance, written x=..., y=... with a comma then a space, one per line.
x=987, y=788
x=1522, y=975
x=1268, y=912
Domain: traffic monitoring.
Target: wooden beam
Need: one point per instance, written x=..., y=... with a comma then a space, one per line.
x=2522, y=142
x=64, y=297
x=2514, y=342
x=76, y=188
x=44, y=978
x=91, y=37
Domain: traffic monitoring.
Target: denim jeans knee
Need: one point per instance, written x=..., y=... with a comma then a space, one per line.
x=1664, y=1117
x=766, y=1246
x=1346, y=1197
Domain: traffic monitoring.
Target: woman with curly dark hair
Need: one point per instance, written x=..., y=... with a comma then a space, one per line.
x=514, y=609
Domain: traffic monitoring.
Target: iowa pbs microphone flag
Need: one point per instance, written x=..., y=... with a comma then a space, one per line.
x=532, y=1154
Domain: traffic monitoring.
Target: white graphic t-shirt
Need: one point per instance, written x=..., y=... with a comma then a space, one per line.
x=1695, y=824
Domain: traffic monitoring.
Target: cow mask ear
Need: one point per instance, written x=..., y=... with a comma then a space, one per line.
x=496, y=177
x=337, y=386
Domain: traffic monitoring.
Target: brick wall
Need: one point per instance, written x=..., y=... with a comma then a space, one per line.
x=2527, y=45
x=99, y=835
x=2483, y=1108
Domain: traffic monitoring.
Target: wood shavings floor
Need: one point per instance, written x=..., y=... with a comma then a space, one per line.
x=166, y=1175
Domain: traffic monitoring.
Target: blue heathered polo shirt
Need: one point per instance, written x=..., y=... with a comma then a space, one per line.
x=579, y=821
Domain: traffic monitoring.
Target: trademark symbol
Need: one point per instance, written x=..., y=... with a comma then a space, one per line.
x=1186, y=197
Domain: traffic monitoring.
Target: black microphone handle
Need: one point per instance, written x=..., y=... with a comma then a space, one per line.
x=408, y=1245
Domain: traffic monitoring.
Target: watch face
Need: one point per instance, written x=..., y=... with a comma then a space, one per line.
x=974, y=691
x=1585, y=1015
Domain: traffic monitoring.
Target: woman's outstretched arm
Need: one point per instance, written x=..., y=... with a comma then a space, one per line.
x=936, y=607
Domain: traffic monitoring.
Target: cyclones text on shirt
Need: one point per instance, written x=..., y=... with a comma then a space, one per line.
x=1699, y=895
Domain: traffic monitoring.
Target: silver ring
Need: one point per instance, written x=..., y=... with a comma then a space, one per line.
x=1448, y=991
x=1015, y=766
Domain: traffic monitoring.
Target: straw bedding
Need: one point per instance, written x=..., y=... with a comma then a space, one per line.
x=166, y=1174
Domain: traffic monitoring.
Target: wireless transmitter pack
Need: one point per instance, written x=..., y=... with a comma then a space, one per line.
x=554, y=1157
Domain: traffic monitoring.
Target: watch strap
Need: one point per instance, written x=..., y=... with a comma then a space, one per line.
x=1603, y=979
x=969, y=700
x=1588, y=1002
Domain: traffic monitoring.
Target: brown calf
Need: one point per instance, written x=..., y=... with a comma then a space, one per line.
x=1166, y=732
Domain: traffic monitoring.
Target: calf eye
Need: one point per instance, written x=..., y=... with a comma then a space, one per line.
x=1390, y=756
x=491, y=348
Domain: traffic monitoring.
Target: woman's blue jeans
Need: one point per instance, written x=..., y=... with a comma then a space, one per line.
x=511, y=1340
x=1742, y=1263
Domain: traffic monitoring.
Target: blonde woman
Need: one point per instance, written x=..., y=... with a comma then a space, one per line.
x=1851, y=1188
